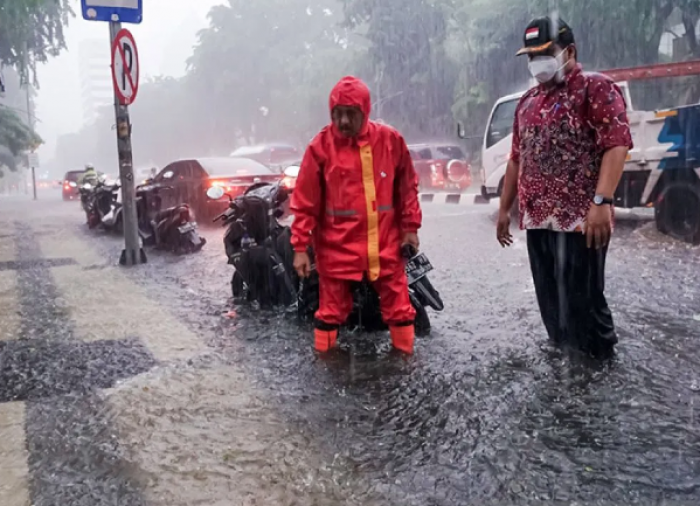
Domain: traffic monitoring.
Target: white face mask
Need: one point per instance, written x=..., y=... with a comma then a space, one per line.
x=546, y=68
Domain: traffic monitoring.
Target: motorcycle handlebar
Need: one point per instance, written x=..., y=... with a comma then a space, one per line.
x=408, y=251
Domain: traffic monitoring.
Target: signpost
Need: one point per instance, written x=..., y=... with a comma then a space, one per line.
x=33, y=163
x=125, y=78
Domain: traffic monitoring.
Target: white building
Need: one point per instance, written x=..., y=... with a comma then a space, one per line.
x=95, y=77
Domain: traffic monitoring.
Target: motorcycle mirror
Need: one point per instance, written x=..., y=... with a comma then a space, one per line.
x=292, y=171
x=215, y=192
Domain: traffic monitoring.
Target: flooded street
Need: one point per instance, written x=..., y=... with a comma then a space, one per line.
x=130, y=387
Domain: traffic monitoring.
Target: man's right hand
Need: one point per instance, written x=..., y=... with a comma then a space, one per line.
x=302, y=264
x=503, y=228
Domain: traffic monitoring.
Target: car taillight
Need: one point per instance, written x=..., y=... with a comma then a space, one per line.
x=457, y=170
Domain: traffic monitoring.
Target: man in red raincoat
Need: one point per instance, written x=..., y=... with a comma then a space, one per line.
x=356, y=200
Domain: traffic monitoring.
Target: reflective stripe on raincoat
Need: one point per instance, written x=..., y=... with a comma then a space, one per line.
x=355, y=197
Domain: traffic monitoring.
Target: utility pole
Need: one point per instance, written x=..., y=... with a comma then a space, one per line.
x=132, y=254
x=30, y=117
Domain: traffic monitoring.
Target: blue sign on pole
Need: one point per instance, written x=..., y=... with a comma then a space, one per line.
x=123, y=11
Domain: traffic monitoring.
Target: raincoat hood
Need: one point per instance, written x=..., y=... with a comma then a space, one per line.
x=351, y=91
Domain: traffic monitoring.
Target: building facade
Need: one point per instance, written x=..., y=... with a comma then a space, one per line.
x=95, y=78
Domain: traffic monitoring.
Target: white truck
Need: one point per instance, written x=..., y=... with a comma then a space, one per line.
x=662, y=170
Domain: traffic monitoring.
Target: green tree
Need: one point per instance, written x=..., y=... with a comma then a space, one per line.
x=407, y=65
x=34, y=28
x=262, y=71
x=15, y=137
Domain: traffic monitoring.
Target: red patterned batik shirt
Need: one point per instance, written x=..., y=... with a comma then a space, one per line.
x=560, y=134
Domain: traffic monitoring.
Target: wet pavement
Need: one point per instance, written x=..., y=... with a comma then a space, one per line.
x=131, y=388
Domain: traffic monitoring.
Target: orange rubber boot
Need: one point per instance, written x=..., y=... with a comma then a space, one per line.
x=324, y=340
x=402, y=338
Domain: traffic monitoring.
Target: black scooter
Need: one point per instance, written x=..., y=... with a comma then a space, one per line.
x=258, y=246
x=172, y=229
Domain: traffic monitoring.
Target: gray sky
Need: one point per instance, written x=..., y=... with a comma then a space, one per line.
x=164, y=39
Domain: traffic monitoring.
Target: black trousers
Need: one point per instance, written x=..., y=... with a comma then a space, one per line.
x=569, y=281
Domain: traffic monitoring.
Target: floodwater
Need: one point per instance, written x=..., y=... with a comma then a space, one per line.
x=486, y=412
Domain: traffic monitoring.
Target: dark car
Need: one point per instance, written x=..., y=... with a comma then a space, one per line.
x=274, y=156
x=187, y=181
x=70, y=184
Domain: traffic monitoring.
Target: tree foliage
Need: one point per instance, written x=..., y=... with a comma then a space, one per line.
x=15, y=137
x=34, y=27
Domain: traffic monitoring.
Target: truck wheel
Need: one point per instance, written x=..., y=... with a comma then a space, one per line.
x=677, y=212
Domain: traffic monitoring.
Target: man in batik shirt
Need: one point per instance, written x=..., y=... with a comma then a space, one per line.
x=571, y=136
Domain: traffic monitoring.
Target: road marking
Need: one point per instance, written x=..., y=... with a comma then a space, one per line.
x=9, y=307
x=62, y=244
x=104, y=304
x=14, y=468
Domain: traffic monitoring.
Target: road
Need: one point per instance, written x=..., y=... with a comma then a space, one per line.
x=129, y=387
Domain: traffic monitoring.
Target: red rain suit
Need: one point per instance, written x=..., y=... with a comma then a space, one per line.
x=353, y=200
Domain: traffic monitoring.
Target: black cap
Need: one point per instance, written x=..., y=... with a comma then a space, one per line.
x=541, y=33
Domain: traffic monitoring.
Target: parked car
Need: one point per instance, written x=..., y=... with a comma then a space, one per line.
x=187, y=181
x=274, y=156
x=441, y=167
x=70, y=184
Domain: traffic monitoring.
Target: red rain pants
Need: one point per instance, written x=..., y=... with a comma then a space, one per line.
x=335, y=301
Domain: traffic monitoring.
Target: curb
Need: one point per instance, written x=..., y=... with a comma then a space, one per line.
x=452, y=198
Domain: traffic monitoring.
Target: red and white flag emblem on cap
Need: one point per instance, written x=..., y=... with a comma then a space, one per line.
x=532, y=33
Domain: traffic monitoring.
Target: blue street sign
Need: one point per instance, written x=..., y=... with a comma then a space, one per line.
x=124, y=11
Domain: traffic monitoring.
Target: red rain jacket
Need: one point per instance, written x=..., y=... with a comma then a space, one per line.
x=355, y=197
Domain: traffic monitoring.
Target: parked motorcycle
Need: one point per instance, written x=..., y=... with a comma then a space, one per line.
x=87, y=201
x=173, y=229
x=102, y=204
x=259, y=248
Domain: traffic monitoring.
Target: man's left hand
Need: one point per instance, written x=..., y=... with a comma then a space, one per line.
x=412, y=239
x=598, y=226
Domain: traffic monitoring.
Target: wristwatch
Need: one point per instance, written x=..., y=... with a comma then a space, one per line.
x=599, y=200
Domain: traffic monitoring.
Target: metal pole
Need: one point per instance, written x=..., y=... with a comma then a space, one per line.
x=132, y=254
x=30, y=116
